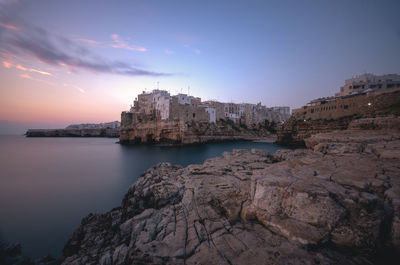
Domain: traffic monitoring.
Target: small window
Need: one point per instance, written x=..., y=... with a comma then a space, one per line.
x=345, y=107
x=194, y=115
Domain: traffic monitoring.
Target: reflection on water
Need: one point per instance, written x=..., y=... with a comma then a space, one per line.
x=47, y=185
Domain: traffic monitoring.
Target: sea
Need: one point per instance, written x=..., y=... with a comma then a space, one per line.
x=47, y=185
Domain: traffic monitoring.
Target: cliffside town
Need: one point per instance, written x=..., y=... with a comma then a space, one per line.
x=337, y=201
x=364, y=96
x=158, y=117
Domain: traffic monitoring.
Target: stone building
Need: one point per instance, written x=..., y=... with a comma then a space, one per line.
x=160, y=105
x=283, y=111
x=231, y=111
x=188, y=113
x=356, y=104
x=218, y=106
x=156, y=116
x=183, y=99
x=368, y=83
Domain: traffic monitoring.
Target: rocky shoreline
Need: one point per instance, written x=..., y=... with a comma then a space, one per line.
x=336, y=202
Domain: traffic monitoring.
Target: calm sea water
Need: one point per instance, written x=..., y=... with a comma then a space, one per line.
x=47, y=185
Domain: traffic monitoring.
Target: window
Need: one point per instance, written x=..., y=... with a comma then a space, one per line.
x=345, y=106
x=194, y=115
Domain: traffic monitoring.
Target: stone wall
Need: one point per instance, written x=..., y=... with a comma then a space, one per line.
x=381, y=102
x=188, y=113
x=337, y=115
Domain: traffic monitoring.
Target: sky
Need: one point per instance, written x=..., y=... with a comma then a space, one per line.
x=66, y=62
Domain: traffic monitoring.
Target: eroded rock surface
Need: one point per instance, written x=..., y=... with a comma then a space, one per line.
x=337, y=202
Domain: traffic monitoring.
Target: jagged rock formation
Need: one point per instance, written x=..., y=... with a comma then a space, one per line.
x=337, y=202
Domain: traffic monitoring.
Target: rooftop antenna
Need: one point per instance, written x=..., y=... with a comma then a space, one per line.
x=188, y=90
x=158, y=85
x=181, y=90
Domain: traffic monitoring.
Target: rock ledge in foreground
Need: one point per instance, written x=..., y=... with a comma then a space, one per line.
x=334, y=203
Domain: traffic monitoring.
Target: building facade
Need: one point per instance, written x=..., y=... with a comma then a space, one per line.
x=368, y=83
x=160, y=105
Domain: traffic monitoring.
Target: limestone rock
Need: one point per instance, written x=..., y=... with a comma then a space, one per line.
x=335, y=203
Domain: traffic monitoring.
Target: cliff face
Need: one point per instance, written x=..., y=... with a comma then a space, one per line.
x=180, y=132
x=337, y=202
x=295, y=132
x=98, y=132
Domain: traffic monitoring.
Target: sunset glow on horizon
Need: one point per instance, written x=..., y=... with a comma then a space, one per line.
x=61, y=64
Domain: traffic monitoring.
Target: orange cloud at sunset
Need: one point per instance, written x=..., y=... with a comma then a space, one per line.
x=9, y=26
x=38, y=71
x=7, y=64
x=22, y=68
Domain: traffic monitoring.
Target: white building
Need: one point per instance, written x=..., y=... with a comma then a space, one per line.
x=368, y=82
x=161, y=100
x=183, y=99
x=212, y=113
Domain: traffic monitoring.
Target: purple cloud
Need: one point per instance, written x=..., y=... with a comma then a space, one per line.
x=55, y=50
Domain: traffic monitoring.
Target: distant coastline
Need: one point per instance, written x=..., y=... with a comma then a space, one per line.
x=109, y=129
x=99, y=132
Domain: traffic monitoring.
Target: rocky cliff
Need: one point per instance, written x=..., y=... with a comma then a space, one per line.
x=294, y=132
x=337, y=202
x=179, y=132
